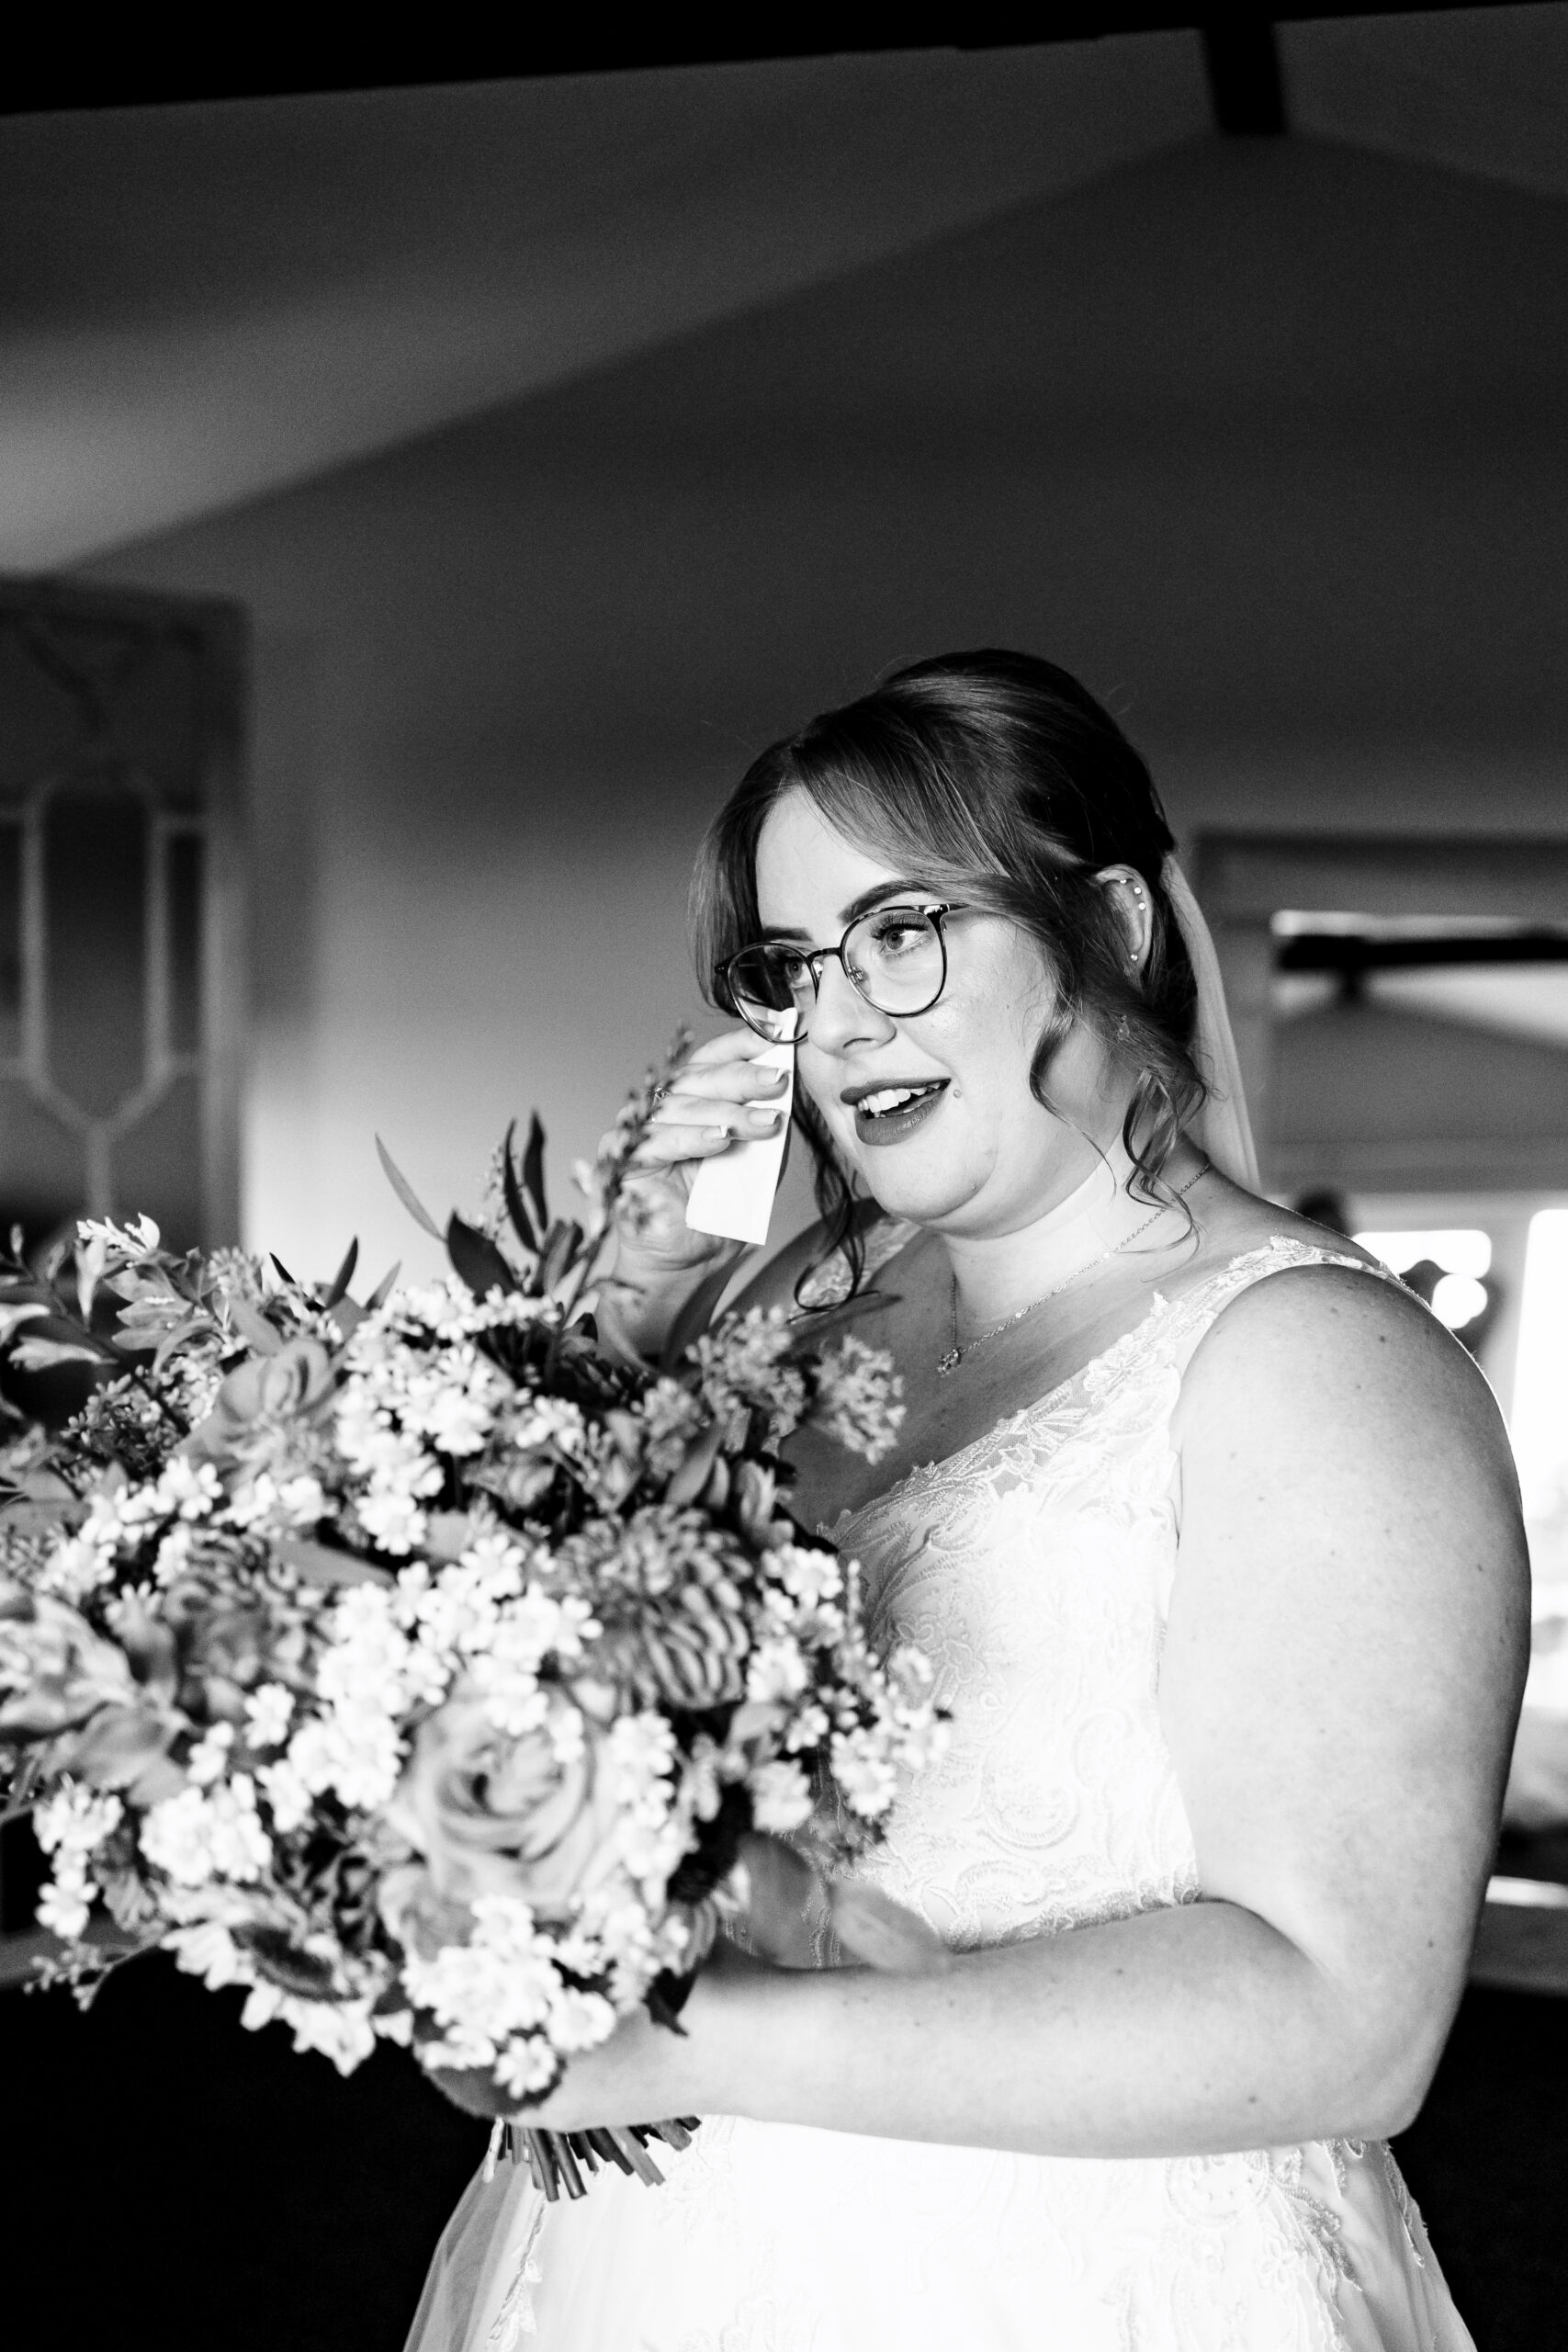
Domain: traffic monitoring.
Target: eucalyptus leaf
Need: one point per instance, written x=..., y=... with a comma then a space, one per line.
x=534, y=1171
x=338, y=1288
x=405, y=1192
x=516, y=1206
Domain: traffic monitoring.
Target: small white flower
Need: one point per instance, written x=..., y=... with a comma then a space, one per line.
x=211, y=1952
x=341, y=2030
x=810, y=1575
x=528, y=2064
x=269, y=1711
x=208, y=1758
x=187, y=1490
x=778, y=1670
x=867, y=1774
x=580, y=2021
x=75, y=1820
x=64, y=1906
x=173, y=1555
x=289, y=1794
x=781, y=1797
x=196, y=1836
x=393, y=1522
x=79, y=1565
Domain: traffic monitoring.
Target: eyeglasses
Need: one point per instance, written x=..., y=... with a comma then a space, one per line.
x=895, y=957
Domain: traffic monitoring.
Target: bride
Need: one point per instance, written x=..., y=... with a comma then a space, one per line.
x=1210, y=1533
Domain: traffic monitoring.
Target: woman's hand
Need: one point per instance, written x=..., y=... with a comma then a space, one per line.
x=718, y=1094
x=642, y=2072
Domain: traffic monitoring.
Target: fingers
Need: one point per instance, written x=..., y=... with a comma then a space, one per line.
x=730, y=1045
x=700, y=1132
x=725, y=1077
x=718, y=1095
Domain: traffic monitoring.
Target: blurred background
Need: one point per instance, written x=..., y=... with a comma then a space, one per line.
x=417, y=504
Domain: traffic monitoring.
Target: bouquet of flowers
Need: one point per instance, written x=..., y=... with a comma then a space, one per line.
x=425, y=1665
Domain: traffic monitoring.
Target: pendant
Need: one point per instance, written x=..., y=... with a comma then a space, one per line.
x=950, y=1362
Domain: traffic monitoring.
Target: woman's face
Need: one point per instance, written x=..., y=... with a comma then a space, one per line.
x=934, y=1109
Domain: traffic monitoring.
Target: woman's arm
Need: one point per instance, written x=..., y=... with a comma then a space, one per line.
x=1345, y=1654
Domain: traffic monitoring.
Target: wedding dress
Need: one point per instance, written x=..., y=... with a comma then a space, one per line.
x=1034, y=1568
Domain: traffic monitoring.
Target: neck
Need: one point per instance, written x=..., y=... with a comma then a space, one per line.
x=999, y=1274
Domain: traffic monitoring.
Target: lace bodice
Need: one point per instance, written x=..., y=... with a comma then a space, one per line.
x=1034, y=1569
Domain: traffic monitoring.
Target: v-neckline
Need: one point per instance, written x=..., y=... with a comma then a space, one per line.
x=1159, y=1307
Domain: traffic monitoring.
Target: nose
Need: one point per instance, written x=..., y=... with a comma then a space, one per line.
x=841, y=1017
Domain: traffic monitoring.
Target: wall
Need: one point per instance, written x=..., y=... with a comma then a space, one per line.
x=1263, y=438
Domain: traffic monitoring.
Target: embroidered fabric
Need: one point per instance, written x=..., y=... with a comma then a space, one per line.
x=1034, y=1568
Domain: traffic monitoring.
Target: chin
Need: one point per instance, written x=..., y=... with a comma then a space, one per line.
x=926, y=1196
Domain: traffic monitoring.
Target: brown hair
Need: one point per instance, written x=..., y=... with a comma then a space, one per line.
x=1000, y=777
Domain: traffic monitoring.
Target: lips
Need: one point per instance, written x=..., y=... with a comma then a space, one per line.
x=888, y=1114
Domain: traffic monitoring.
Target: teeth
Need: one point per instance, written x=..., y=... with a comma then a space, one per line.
x=890, y=1098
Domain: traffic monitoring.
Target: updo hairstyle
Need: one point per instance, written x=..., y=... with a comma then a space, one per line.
x=998, y=779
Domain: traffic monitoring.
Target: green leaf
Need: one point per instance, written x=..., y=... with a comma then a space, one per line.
x=693, y=1476
x=697, y=1313
x=534, y=1171
x=517, y=1207
x=42, y=1356
x=405, y=1192
x=318, y=1563
x=383, y=1290
x=561, y=1245
x=283, y=1271
x=338, y=1288
x=476, y=1260
x=177, y=1338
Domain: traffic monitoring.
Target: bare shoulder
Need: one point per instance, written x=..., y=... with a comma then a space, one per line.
x=1334, y=1356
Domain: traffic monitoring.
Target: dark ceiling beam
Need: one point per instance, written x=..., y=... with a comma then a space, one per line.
x=1242, y=57
x=1353, y=952
x=57, y=69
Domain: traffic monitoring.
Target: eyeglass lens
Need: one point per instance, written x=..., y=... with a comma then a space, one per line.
x=894, y=955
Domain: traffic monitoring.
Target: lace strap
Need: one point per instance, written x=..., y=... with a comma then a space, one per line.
x=829, y=1284
x=1186, y=1320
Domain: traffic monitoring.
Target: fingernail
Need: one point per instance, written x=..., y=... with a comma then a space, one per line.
x=768, y=1120
x=776, y=1079
x=717, y=1134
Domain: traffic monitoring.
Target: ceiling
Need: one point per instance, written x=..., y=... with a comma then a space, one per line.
x=204, y=303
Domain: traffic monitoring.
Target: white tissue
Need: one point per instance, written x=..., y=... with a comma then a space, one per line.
x=732, y=1194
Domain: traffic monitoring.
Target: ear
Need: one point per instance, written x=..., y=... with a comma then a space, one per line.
x=1129, y=896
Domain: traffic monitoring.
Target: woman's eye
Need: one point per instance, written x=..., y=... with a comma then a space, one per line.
x=898, y=933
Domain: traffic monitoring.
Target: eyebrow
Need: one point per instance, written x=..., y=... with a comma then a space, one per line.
x=907, y=889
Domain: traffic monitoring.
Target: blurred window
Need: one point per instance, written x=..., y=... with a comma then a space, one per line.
x=119, y=722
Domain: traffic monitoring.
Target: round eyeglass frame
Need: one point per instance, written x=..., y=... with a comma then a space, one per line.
x=935, y=911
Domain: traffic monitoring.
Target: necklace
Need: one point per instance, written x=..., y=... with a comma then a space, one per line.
x=954, y=1355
